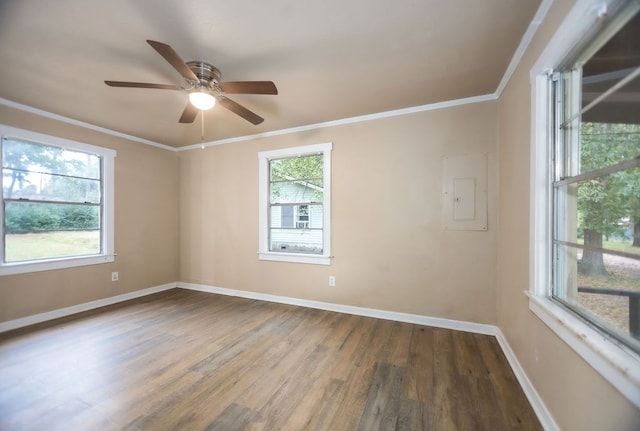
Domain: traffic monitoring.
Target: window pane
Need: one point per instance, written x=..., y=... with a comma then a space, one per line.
x=295, y=192
x=39, y=172
x=597, y=232
x=296, y=240
x=51, y=244
x=24, y=216
x=296, y=180
x=292, y=216
x=610, y=93
x=611, y=300
x=304, y=168
x=37, y=230
x=607, y=144
x=608, y=83
x=605, y=204
x=48, y=187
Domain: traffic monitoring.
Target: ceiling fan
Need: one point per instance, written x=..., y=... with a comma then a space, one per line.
x=202, y=81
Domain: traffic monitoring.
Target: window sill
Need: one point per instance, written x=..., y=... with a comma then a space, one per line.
x=618, y=365
x=295, y=258
x=47, y=265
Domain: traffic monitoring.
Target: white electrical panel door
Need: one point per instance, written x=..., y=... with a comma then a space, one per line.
x=465, y=192
x=464, y=202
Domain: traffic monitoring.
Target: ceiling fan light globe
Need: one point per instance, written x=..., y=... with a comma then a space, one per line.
x=201, y=100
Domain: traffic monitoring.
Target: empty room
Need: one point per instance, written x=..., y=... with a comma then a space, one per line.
x=320, y=215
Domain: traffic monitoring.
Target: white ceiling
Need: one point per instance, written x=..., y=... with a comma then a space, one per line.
x=330, y=59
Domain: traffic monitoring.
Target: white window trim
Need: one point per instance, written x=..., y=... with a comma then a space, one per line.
x=108, y=161
x=263, y=158
x=616, y=363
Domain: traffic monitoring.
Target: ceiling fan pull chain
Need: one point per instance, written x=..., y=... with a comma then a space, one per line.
x=202, y=141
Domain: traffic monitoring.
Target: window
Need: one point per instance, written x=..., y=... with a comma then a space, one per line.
x=57, y=206
x=596, y=185
x=586, y=188
x=295, y=204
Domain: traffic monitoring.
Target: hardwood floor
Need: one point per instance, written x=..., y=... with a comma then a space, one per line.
x=183, y=360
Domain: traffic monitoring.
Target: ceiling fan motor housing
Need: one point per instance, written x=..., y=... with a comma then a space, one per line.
x=208, y=75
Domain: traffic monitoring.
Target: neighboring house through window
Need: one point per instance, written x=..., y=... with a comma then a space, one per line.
x=57, y=202
x=586, y=188
x=295, y=204
x=299, y=213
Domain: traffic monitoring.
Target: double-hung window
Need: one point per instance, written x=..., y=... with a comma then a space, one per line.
x=57, y=202
x=586, y=188
x=295, y=201
x=596, y=183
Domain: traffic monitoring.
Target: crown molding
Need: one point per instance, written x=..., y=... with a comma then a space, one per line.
x=74, y=122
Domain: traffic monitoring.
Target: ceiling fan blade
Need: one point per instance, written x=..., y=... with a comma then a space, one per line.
x=232, y=106
x=174, y=59
x=249, y=87
x=141, y=85
x=189, y=113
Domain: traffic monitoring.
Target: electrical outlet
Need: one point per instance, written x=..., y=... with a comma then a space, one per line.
x=332, y=281
x=114, y=276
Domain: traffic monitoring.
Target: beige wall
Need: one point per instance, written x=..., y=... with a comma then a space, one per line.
x=577, y=396
x=146, y=223
x=391, y=251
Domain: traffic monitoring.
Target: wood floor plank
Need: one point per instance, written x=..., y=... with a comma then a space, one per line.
x=185, y=360
x=419, y=383
x=395, y=351
x=509, y=395
x=298, y=346
x=206, y=396
x=134, y=391
x=475, y=377
x=233, y=417
x=316, y=410
x=363, y=349
x=413, y=415
x=383, y=401
x=448, y=409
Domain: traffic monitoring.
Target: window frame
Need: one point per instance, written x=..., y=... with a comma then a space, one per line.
x=263, y=213
x=107, y=253
x=619, y=365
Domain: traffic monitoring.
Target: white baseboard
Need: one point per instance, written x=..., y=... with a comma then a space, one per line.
x=536, y=402
x=67, y=311
x=538, y=406
x=348, y=309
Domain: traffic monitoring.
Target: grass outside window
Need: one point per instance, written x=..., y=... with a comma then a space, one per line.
x=43, y=245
